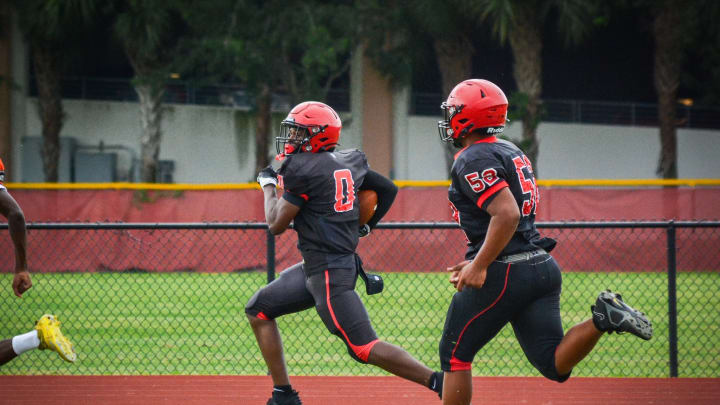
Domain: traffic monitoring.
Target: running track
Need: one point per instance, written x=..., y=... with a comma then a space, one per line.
x=210, y=390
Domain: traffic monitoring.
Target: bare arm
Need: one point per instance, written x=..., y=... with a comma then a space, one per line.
x=505, y=217
x=278, y=211
x=10, y=209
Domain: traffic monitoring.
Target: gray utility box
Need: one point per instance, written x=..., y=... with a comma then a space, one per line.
x=95, y=167
x=32, y=162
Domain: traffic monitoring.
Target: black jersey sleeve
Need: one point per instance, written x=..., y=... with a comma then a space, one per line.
x=295, y=185
x=386, y=191
x=480, y=180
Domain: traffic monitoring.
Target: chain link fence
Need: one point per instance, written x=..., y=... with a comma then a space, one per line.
x=169, y=298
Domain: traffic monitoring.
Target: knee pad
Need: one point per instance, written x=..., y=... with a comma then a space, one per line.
x=250, y=306
x=359, y=353
x=354, y=356
x=551, y=374
x=348, y=346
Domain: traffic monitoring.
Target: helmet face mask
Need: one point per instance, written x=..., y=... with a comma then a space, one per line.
x=449, y=111
x=473, y=105
x=309, y=127
x=292, y=137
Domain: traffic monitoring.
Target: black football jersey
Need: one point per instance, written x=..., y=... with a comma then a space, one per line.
x=325, y=186
x=478, y=173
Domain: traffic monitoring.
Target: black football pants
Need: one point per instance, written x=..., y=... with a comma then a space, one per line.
x=332, y=292
x=525, y=294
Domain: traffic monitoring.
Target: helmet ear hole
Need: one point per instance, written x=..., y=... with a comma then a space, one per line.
x=462, y=121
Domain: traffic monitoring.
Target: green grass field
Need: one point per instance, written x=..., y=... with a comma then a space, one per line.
x=192, y=323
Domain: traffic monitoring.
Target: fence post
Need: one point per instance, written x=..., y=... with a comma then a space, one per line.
x=270, y=256
x=672, y=299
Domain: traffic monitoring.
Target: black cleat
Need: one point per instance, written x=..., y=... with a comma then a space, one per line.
x=279, y=398
x=611, y=314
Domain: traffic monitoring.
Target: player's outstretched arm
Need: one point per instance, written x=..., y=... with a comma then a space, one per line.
x=386, y=191
x=10, y=209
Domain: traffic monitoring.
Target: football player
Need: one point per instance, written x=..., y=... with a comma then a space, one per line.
x=321, y=185
x=508, y=274
x=46, y=334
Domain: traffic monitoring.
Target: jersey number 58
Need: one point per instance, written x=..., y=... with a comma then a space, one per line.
x=527, y=184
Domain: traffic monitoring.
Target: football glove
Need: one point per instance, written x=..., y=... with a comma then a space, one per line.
x=267, y=176
x=364, y=230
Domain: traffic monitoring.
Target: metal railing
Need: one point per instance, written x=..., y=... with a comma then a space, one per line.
x=595, y=112
x=180, y=92
x=232, y=95
x=168, y=298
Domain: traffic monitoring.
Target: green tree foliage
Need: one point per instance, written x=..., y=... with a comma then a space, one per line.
x=292, y=48
x=521, y=22
x=676, y=25
x=398, y=34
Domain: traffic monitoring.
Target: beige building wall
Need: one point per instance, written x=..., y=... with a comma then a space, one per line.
x=377, y=119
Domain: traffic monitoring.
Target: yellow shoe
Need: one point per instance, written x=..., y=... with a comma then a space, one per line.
x=48, y=328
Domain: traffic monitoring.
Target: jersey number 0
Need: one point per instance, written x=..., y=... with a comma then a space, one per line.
x=344, y=190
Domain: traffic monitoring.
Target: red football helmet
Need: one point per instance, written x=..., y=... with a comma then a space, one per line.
x=309, y=127
x=473, y=104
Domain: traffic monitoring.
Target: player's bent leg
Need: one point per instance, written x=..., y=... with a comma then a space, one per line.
x=342, y=311
x=577, y=343
x=538, y=329
x=538, y=326
x=286, y=294
x=269, y=341
x=344, y=315
x=6, y=351
x=457, y=389
x=399, y=362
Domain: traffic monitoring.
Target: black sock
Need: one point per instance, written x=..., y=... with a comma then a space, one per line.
x=436, y=382
x=282, y=389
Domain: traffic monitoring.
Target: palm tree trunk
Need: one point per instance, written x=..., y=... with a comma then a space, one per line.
x=262, y=127
x=47, y=76
x=5, y=124
x=526, y=44
x=454, y=59
x=667, y=29
x=151, y=121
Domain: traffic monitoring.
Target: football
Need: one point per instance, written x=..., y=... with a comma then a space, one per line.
x=368, y=203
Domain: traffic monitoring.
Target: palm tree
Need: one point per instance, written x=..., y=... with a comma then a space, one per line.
x=521, y=22
x=397, y=35
x=298, y=48
x=149, y=31
x=674, y=24
x=53, y=29
x=668, y=33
